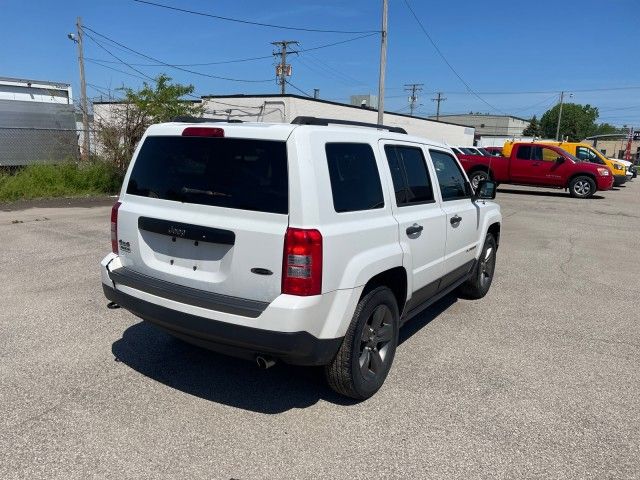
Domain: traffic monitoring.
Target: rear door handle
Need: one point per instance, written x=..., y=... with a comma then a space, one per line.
x=413, y=229
x=455, y=220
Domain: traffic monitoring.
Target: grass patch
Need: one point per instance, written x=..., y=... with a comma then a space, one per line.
x=64, y=180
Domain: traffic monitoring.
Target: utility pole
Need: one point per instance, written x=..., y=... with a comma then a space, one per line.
x=283, y=70
x=383, y=60
x=560, y=115
x=413, y=89
x=83, y=88
x=439, y=98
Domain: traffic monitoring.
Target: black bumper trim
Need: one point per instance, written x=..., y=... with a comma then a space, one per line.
x=619, y=180
x=190, y=296
x=298, y=348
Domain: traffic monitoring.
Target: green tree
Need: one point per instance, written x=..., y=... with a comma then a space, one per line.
x=163, y=101
x=578, y=121
x=533, y=130
x=605, y=129
x=119, y=131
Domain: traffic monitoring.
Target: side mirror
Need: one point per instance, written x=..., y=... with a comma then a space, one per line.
x=486, y=190
x=560, y=160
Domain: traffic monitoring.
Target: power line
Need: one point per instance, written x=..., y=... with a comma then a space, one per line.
x=249, y=59
x=115, y=69
x=194, y=72
x=239, y=60
x=247, y=22
x=424, y=30
x=557, y=92
x=299, y=90
x=114, y=55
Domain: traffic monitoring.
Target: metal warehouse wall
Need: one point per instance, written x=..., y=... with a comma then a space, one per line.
x=33, y=132
x=283, y=109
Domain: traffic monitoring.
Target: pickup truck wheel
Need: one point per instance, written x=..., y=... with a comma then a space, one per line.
x=480, y=280
x=364, y=359
x=582, y=187
x=476, y=177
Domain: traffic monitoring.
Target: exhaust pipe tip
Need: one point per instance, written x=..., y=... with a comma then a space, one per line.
x=112, y=305
x=264, y=362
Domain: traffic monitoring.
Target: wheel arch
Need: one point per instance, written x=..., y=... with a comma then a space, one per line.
x=583, y=174
x=494, y=229
x=395, y=279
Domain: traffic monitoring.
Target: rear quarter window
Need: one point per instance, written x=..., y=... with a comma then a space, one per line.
x=235, y=173
x=355, y=181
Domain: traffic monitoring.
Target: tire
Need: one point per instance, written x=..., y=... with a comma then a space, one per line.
x=480, y=280
x=364, y=359
x=477, y=176
x=582, y=187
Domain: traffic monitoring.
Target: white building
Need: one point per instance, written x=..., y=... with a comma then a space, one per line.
x=37, y=122
x=23, y=90
x=485, y=124
x=284, y=108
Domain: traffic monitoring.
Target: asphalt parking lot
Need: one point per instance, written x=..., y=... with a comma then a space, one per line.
x=541, y=379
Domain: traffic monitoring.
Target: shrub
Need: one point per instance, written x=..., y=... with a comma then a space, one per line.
x=68, y=179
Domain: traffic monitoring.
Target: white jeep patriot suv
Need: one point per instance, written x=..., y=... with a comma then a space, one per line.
x=309, y=243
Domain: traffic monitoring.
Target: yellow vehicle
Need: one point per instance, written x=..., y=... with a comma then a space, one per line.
x=586, y=152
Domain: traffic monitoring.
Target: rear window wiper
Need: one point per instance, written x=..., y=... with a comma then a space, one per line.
x=209, y=193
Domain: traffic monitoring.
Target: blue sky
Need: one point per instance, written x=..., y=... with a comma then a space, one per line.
x=498, y=47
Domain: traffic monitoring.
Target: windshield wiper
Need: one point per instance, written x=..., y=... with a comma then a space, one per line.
x=209, y=193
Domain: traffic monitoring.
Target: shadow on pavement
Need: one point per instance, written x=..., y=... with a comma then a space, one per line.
x=540, y=193
x=234, y=382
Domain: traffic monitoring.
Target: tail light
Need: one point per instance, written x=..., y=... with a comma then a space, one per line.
x=302, y=262
x=114, y=227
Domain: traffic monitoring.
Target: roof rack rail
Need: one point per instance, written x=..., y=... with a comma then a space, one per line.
x=190, y=119
x=333, y=121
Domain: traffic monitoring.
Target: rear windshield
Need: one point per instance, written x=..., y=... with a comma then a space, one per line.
x=223, y=172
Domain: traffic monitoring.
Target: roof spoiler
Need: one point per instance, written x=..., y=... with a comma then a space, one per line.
x=332, y=121
x=190, y=119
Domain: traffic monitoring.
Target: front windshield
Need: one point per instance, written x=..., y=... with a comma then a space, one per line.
x=574, y=158
x=468, y=151
x=485, y=152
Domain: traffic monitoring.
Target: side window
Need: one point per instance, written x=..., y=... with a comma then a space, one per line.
x=453, y=184
x=411, y=180
x=549, y=155
x=355, y=182
x=524, y=152
x=584, y=153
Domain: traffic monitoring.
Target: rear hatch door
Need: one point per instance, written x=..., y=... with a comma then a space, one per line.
x=207, y=213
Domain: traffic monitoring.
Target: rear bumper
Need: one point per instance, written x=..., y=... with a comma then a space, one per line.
x=298, y=348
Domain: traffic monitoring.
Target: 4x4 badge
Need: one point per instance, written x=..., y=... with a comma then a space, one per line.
x=124, y=246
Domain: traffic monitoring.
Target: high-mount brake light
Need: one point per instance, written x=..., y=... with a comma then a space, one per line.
x=203, y=132
x=302, y=262
x=114, y=227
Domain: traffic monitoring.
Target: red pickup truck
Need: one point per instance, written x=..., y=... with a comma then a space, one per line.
x=542, y=166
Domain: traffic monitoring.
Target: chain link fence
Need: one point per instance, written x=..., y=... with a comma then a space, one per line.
x=22, y=146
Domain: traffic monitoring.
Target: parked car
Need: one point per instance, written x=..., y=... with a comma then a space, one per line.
x=309, y=243
x=470, y=151
x=586, y=152
x=539, y=165
x=484, y=151
x=630, y=169
x=495, y=151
